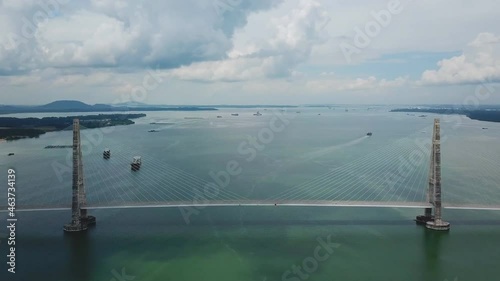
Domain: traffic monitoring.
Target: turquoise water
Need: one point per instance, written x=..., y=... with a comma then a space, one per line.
x=315, y=156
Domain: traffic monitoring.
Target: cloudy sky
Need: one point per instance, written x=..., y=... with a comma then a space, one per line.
x=250, y=51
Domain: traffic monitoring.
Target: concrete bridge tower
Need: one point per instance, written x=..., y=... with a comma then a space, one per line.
x=434, y=221
x=79, y=218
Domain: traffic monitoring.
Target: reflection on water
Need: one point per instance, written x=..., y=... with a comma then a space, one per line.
x=432, y=245
x=79, y=247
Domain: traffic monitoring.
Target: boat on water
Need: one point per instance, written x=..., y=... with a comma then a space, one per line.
x=107, y=153
x=136, y=163
x=161, y=123
x=369, y=134
x=11, y=154
x=257, y=114
x=153, y=131
x=235, y=114
x=58, y=146
x=219, y=116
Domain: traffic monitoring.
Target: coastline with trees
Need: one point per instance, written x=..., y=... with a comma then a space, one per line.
x=12, y=128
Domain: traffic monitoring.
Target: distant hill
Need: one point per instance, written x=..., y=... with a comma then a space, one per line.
x=66, y=105
x=70, y=106
x=78, y=106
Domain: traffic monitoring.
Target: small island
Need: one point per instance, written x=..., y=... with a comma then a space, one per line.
x=483, y=114
x=12, y=128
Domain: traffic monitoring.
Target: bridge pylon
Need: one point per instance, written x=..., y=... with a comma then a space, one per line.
x=430, y=220
x=80, y=220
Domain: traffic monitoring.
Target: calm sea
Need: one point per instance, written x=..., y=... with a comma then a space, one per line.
x=301, y=153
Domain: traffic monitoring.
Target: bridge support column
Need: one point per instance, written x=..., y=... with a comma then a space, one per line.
x=423, y=219
x=80, y=221
x=434, y=222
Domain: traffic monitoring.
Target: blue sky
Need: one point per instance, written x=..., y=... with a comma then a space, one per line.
x=391, y=66
x=249, y=51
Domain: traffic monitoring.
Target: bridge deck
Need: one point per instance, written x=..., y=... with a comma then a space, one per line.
x=261, y=203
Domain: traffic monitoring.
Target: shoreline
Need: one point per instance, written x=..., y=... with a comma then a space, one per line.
x=14, y=128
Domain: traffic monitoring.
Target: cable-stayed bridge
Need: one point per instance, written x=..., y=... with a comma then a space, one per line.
x=266, y=203
x=397, y=176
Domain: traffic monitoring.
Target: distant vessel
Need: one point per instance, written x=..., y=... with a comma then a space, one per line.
x=369, y=134
x=153, y=131
x=219, y=116
x=235, y=114
x=136, y=163
x=161, y=123
x=257, y=114
x=484, y=128
x=422, y=116
x=58, y=146
x=11, y=154
x=106, y=154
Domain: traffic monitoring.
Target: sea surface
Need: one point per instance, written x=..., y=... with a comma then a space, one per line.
x=291, y=154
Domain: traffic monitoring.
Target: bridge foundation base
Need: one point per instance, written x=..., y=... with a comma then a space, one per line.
x=80, y=226
x=438, y=225
x=423, y=220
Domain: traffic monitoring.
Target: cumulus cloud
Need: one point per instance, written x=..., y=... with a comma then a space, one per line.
x=479, y=62
x=274, y=50
x=295, y=36
x=116, y=33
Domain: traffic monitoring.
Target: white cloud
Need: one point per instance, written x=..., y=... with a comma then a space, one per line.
x=85, y=39
x=20, y=80
x=115, y=33
x=291, y=44
x=91, y=79
x=479, y=62
x=18, y=4
x=272, y=50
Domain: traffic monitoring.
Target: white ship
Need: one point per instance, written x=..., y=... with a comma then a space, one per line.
x=136, y=163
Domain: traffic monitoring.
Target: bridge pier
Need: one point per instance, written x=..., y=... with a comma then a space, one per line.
x=80, y=220
x=434, y=221
x=423, y=219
